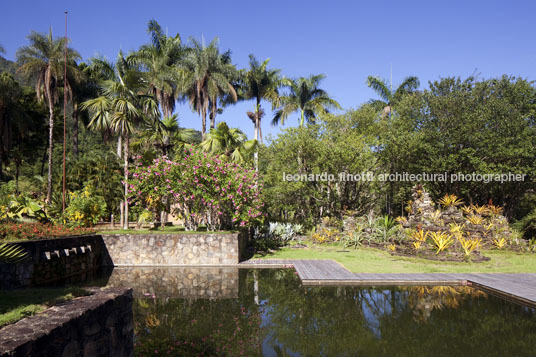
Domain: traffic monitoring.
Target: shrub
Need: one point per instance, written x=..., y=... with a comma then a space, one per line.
x=85, y=208
x=201, y=189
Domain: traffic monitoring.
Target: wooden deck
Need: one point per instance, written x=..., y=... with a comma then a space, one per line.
x=518, y=287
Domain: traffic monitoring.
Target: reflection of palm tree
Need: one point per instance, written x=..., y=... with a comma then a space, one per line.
x=44, y=60
x=389, y=98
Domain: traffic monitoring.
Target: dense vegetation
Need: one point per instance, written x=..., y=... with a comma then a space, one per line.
x=123, y=111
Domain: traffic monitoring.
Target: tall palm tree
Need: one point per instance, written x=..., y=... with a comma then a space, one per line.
x=158, y=59
x=207, y=75
x=43, y=59
x=261, y=83
x=304, y=97
x=389, y=98
x=121, y=106
x=228, y=142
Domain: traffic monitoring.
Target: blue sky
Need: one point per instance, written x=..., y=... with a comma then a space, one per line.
x=345, y=40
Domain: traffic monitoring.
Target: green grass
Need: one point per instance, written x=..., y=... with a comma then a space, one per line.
x=18, y=304
x=370, y=260
x=159, y=230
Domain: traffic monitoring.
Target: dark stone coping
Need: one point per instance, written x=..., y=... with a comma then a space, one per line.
x=27, y=335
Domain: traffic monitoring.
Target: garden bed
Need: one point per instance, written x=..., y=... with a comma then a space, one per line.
x=406, y=251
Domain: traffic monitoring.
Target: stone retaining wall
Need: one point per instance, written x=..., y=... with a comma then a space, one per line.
x=97, y=325
x=53, y=260
x=175, y=249
x=174, y=282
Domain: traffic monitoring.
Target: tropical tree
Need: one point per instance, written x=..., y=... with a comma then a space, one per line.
x=43, y=59
x=207, y=75
x=304, y=97
x=261, y=83
x=389, y=98
x=122, y=105
x=158, y=61
x=166, y=136
x=228, y=142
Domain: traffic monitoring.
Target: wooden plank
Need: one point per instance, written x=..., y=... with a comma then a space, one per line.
x=329, y=272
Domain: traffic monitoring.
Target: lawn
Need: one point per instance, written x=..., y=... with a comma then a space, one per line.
x=370, y=260
x=18, y=304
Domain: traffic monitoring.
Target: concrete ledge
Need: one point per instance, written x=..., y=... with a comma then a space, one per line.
x=97, y=325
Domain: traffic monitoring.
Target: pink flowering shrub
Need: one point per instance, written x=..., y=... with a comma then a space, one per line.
x=199, y=188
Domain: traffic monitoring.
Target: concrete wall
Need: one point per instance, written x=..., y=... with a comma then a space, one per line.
x=54, y=260
x=178, y=282
x=97, y=325
x=175, y=249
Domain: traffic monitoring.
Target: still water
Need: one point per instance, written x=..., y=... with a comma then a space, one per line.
x=267, y=312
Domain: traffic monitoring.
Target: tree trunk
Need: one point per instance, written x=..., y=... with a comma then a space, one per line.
x=119, y=146
x=17, y=174
x=213, y=109
x=203, y=125
x=125, y=222
x=75, y=129
x=260, y=131
x=50, y=149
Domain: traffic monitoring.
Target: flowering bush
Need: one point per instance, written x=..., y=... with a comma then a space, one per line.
x=200, y=189
x=22, y=231
x=85, y=208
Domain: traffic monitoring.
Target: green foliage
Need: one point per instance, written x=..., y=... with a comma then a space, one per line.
x=385, y=229
x=85, y=207
x=527, y=225
x=465, y=126
x=201, y=189
x=355, y=238
x=306, y=97
x=12, y=253
x=339, y=144
x=229, y=144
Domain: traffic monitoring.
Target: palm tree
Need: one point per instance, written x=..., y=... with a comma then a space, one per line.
x=122, y=106
x=43, y=59
x=306, y=97
x=228, y=142
x=389, y=98
x=261, y=83
x=158, y=60
x=207, y=75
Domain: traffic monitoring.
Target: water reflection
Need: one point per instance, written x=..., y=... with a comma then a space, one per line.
x=268, y=312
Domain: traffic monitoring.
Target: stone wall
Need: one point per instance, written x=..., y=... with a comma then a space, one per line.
x=175, y=249
x=97, y=325
x=175, y=282
x=55, y=260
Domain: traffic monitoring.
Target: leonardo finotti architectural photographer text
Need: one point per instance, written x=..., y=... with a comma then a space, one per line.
x=405, y=177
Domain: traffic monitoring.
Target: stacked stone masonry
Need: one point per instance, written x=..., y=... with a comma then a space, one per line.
x=175, y=249
x=97, y=325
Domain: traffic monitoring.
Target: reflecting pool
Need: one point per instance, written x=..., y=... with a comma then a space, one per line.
x=256, y=312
